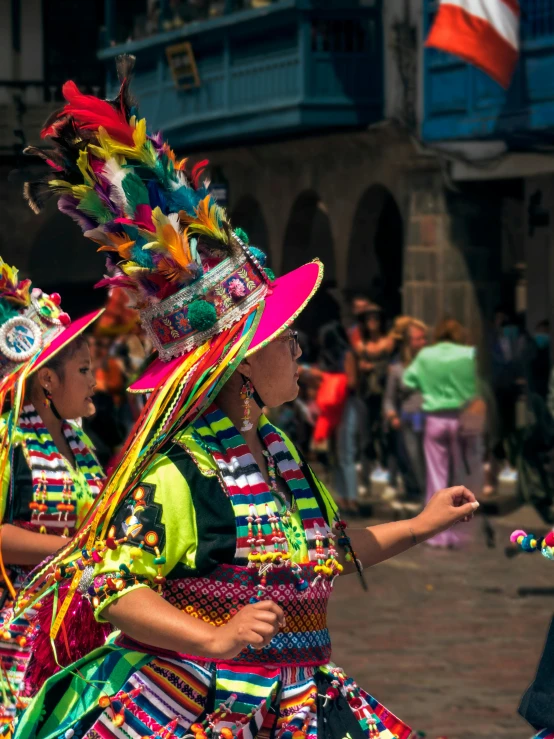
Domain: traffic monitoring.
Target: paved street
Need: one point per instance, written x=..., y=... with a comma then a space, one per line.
x=443, y=639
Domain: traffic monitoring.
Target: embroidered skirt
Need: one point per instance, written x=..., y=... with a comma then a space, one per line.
x=119, y=693
x=15, y=652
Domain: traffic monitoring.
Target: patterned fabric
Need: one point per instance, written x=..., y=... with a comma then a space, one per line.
x=14, y=655
x=246, y=485
x=55, y=482
x=289, y=687
x=232, y=289
x=217, y=598
x=53, y=477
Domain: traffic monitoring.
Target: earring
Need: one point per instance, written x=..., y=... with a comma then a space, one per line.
x=246, y=392
x=47, y=397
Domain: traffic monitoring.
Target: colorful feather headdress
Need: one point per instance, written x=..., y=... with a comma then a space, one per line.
x=169, y=243
x=199, y=287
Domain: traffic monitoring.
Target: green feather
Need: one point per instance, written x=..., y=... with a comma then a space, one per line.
x=95, y=208
x=7, y=311
x=135, y=192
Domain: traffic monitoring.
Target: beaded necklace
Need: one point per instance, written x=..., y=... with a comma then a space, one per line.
x=262, y=540
x=55, y=494
x=286, y=508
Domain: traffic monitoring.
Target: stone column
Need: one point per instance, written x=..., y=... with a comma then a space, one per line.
x=453, y=252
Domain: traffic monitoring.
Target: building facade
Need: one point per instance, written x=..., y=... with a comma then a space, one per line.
x=332, y=134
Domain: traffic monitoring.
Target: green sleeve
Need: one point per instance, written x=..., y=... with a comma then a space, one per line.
x=410, y=378
x=155, y=527
x=5, y=488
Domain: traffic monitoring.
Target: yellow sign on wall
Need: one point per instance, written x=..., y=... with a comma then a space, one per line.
x=181, y=61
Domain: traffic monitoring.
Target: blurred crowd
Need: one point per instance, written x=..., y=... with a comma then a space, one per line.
x=394, y=409
x=391, y=409
x=119, y=349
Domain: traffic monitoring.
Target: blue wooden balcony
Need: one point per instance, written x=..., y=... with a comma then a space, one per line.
x=292, y=66
x=462, y=102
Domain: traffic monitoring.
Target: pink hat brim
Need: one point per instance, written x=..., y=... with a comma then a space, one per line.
x=74, y=329
x=290, y=295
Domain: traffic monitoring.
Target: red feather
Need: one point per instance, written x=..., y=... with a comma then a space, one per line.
x=90, y=113
x=197, y=170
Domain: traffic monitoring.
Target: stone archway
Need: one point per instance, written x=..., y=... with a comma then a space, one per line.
x=376, y=250
x=248, y=215
x=308, y=235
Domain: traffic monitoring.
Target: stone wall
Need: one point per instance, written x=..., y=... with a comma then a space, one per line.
x=339, y=197
x=453, y=253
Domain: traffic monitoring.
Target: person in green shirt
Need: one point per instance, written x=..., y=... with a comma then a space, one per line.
x=446, y=376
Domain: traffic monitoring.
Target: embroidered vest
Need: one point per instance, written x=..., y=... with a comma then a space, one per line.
x=58, y=504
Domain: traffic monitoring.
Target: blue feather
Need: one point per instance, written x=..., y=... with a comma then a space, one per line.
x=157, y=197
x=141, y=257
x=185, y=198
x=131, y=231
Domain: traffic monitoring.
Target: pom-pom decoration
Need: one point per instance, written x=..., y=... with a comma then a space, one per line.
x=531, y=543
x=201, y=315
x=259, y=254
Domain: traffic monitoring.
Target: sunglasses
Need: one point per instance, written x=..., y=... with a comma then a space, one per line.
x=292, y=338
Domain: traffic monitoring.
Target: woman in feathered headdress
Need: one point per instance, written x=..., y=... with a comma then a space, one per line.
x=49, y=474
x=213, y=547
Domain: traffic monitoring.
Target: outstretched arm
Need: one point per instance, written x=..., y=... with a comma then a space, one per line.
x=376, y=544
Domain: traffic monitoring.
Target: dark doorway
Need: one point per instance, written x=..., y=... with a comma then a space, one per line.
x=375, y=253
x=308, y=235
x=247, y=214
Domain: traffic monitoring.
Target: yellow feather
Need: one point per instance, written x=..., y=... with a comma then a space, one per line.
x=139, y=134
x=80, y=190
x=84, y=167
x=206, y=220
x=132, y=268
x=170, y=239
x=62, y=184
x=99, y=152
x=145, y=154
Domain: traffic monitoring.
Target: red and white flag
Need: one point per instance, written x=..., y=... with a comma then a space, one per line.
x=482, y=32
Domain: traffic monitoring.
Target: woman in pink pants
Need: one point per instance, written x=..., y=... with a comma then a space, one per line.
x=446, y=375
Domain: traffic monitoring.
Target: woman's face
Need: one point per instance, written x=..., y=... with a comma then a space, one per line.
x=273, y=370
x=373, y=323
x=72, y=389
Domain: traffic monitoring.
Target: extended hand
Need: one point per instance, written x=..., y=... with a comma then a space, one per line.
x=446, y=508
x=254, y=625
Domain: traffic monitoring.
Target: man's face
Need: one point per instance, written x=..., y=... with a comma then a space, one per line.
x=418, y=339
x=360, y=306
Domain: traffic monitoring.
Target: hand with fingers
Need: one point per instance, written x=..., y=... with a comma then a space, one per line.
x=448, y=507
x=254, y=625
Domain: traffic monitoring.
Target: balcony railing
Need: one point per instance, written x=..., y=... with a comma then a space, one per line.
x=290, y=66
x=461, y=102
